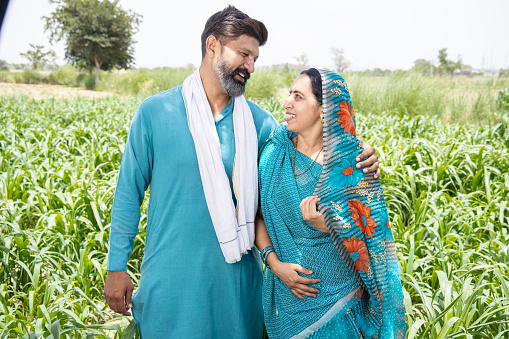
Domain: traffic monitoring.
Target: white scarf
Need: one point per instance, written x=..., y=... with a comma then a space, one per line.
x=234, y=227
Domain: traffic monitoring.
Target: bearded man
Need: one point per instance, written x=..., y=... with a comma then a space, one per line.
x=196, y=146
x=199, y=278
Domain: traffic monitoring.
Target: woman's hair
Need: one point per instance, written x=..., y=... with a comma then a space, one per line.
x=229, y=24
x=316, y=83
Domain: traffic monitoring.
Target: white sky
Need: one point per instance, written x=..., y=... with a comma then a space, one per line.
x=373, y=33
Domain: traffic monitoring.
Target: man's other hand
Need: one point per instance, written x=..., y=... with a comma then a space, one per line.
x=372, y=159
x=118, y=290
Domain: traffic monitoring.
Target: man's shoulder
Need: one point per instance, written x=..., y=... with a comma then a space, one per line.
x=261, y=115
x=257, y=109
x=164, y=101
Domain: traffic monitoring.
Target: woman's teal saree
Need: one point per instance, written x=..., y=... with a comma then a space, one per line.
x=361, y=294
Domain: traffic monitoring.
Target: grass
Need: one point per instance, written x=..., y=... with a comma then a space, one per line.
x=447, y=190
x=452, y=99
x=58, y=166
x=446, y=186
x=461, y=99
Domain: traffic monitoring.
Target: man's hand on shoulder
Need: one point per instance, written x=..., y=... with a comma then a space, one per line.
x=118, y=290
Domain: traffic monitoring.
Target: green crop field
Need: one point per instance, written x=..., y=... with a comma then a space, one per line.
x=446, y=186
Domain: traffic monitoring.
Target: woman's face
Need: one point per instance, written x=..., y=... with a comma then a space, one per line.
x=302, y=109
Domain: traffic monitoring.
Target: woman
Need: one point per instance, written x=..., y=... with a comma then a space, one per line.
x=346, y=249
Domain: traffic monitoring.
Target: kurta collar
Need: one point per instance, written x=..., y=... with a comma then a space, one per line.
x=226, y=111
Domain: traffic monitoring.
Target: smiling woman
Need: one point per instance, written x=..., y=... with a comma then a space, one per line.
x=320, y=219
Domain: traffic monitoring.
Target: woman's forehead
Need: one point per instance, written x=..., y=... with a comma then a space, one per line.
x=302, y=84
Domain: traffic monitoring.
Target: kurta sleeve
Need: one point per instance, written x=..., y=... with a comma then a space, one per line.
x=133, y=181
x=264, y=122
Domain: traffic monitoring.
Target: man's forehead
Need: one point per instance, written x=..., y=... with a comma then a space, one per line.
x=244, y=42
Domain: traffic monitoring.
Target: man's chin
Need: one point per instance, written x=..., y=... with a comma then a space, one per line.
x=236, y=93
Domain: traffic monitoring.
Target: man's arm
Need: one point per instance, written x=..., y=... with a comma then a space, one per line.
x=133, y=180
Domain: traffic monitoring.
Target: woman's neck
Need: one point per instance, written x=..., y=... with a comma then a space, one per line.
x=309, y=143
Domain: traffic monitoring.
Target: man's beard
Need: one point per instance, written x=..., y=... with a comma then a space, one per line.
x=226, y=75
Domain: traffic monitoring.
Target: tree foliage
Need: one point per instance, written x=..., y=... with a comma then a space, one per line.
x=340, y=62
x=448, y=66
x=98, y=33
x=503, y=73
x=424, y=66
x=37, y=57
x=302, y=60
x=4, y=66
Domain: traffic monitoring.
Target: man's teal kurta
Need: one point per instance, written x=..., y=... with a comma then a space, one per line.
x=187, y=290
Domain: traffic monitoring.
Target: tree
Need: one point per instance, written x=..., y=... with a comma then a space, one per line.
x=4, y=66
x=302, y=61
x=424, y=66
x=37, y=57
x=98, y=33
x=340, y=62
x=448, y=66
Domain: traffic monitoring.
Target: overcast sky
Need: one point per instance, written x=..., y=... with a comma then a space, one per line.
x=373, y=33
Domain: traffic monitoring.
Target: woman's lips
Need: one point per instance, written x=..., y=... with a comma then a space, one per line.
x=290, y=116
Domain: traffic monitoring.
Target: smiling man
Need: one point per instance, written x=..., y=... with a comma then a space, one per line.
x=196, y=147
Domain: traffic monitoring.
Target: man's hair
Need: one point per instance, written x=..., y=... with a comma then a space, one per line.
x=229, y=24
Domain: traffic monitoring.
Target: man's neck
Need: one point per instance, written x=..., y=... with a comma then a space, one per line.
x=216, y=96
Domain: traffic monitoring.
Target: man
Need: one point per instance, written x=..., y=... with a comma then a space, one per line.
x=196, y=147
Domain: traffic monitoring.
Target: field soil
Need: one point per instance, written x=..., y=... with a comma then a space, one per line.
x=47, y=91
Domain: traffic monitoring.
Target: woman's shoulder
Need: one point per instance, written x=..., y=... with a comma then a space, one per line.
x=276, y=141
x=281, y=133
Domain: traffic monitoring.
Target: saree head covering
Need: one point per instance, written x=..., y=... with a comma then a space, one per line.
x=234, y=226
x=355, y=211
x=360, y=289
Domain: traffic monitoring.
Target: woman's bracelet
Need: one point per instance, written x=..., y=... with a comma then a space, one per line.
x=265, y=253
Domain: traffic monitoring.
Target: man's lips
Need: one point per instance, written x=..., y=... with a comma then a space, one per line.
x=239, y=77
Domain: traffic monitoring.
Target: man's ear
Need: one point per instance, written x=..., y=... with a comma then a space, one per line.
x=212, y=46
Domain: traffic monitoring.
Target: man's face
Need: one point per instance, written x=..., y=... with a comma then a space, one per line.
x=235, y=64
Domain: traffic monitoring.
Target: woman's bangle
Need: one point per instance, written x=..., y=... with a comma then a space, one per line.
x=267, y=255
x=265, y=252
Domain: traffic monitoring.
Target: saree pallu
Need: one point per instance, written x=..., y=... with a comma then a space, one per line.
x=362, y=296
x=356, y=214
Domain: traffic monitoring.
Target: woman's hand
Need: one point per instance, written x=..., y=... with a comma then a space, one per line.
x=288, y=273
x=372, y=159
x=311, y=215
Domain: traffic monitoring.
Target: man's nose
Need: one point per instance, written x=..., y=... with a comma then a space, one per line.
x=249, y=65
